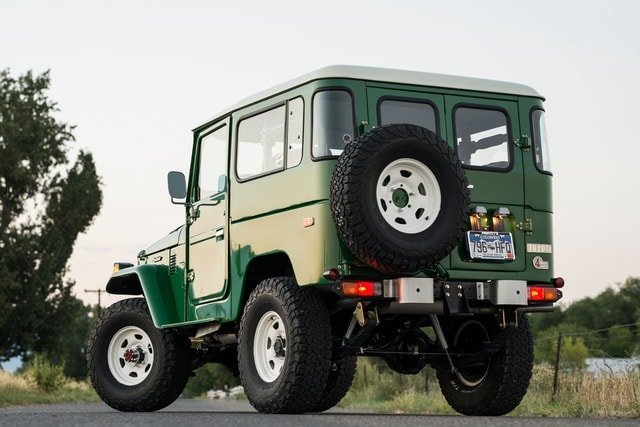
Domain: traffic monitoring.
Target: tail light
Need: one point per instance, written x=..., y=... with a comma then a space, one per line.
x=543, y=294
x=361, y=289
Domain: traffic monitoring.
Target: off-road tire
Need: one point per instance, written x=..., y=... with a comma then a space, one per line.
x=506, y=382
x=339, y=382
x=169, y=372
x=354, y=204
x=303, y=377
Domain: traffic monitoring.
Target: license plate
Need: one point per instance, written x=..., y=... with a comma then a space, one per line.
x=490, y=245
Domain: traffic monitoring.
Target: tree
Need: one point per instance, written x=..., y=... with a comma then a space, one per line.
x=49, y=193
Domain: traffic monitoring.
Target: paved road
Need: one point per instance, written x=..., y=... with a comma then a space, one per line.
x=201, y=413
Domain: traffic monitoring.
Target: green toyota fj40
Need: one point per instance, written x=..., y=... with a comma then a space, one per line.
x=350, y=212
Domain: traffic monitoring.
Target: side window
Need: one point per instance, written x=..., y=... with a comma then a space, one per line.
x=212, y=162
x=295, y=123
x=409, y=112
x=333, y=122
x=540, y=142
x=261, y=143
x=482, y=137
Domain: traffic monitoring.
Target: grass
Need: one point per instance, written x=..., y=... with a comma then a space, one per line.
x=579, y=394
x=16, y=390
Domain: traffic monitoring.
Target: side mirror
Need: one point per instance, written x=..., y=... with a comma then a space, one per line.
x=177, y=186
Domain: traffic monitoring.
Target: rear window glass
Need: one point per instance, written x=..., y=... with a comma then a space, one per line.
x=333, y=122
x=540, y=143
x=482, y=138
x=409, y=112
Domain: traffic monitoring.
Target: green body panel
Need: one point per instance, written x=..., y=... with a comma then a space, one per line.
x=164, y=296
x=265, y=216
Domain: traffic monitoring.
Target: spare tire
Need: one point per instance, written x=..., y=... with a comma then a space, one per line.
x=399, y=198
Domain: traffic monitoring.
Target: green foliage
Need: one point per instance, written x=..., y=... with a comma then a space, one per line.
x=573, y=350
x=210, y=376
x=611, y=307
x=46, y=375
x=49, y=193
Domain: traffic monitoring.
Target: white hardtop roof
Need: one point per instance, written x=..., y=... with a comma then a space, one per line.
x=390, y=75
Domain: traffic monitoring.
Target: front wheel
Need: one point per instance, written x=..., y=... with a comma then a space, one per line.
x=496, y=386
x=134, y=366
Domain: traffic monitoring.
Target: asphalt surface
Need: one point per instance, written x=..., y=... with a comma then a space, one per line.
x=201, y=413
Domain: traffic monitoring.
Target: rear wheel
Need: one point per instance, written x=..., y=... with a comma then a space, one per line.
x=134, y=366
x=339, y=382
x=284, y=347
x=497, y=385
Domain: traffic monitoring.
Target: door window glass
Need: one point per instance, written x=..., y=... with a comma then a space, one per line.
x=409, y=112
x=261, y=143
x=540, y=143
x=213, y=161
x=482, y=138
x=333, y=122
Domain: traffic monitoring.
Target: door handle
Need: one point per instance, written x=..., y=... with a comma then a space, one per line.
x=219, y=233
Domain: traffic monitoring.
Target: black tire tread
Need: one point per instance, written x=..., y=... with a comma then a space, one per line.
x=338, y=384
x=308, y=347
x=509, y=386
x=169, y=382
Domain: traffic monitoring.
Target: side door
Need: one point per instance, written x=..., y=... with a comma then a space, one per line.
x=483, y=132
x=208, y=232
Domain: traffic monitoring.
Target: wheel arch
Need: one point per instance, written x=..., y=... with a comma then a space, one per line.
x=263, y=267
x=153, y=283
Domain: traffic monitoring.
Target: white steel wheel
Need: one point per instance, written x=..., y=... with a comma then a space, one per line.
x=408, y=195
x=130, y=355
x=269, y=346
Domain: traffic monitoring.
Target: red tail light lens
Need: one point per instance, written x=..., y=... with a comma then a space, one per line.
x=543, y=294
x=558, y=282
x=361, y=289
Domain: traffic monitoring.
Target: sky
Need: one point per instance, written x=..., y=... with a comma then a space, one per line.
x=137, y=76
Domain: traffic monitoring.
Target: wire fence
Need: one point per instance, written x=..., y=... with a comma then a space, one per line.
x=559, y=342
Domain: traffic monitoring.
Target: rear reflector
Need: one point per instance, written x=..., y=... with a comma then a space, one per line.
x=543, y=294
x=558, y=282
x=361, y=289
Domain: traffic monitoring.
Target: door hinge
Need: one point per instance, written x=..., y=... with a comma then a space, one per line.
x=365, y=127
x=191, y=276
x=524, y=142
x=526, y=226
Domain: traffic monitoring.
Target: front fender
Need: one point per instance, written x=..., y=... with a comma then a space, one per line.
x=165, y=300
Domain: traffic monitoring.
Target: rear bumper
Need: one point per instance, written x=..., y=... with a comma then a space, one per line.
x=431, y=296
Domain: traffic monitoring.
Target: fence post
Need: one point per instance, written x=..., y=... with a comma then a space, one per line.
x=426, y=380
x=557, y=367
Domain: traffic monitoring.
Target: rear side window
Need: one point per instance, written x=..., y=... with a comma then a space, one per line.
x=333, y=122
x=261, y=143
x=409, y=112
x=482, y=138
x=540, y=142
